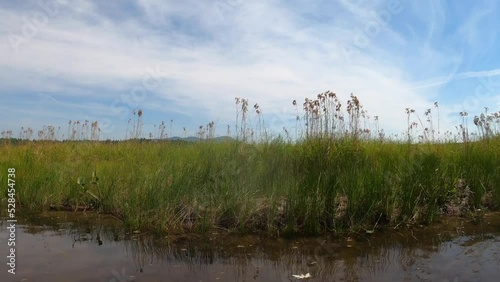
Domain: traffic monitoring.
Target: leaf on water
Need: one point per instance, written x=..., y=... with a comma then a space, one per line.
x=302, y=276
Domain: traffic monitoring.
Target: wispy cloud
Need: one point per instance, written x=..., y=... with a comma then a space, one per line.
x=438, y=81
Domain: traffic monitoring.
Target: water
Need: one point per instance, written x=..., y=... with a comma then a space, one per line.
x=62, y=246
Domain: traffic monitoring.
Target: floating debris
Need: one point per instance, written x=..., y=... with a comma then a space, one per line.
x=302, y=276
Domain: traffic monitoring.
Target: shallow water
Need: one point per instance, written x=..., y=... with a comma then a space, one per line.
x=62, y=246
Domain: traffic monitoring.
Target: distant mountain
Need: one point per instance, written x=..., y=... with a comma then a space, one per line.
x=195, y=139
x=186, y=139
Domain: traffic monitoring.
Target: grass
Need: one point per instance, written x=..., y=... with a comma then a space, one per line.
x=333, y=179
x=309, y=187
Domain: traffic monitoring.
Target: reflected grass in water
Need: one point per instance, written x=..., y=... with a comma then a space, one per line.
x=397, y=254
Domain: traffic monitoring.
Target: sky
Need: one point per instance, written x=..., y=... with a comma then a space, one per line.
x=184, y=62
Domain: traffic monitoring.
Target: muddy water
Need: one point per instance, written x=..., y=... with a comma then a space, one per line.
x=91, y=247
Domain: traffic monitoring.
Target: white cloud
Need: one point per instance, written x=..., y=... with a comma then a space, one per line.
x=266, y=51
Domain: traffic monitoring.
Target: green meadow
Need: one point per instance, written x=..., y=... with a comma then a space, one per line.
x=331, y=179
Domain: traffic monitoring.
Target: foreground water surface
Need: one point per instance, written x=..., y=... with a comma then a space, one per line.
x=60, y=246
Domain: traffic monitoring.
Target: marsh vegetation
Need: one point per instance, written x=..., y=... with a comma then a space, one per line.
x=336, y=171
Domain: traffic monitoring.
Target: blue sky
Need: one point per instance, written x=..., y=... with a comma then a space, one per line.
x=186, y=61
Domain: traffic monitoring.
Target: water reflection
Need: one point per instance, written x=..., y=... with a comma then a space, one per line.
x=92, y=247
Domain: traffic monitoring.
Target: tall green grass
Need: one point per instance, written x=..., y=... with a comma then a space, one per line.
x=312, y=186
